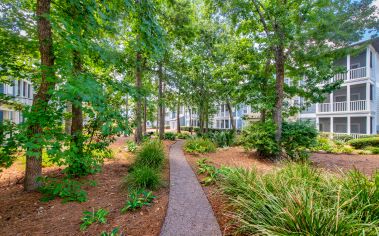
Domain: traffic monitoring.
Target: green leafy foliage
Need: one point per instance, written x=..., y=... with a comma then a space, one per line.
x=131, y=146
x=223, y=138
x=137, y=199
x=199, y=145
x=364, y=142
x=212, y=174
x=302, y=200
x=67, y=189
x=183, y=135
x=169, y=136
x=260, y=136
x=114, y=232
x=143, y=177
x=151, y=154
x=373, y=150
x=298, y=138
x=90, y=217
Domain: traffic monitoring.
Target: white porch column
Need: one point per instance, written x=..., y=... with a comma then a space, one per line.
x=331, y=124
x=348, y=97
x=368, y=63
x=348, y=67
x=368, y=96
x=331, y=102
x=368, y=125
x=318, y=123
x=348, y=125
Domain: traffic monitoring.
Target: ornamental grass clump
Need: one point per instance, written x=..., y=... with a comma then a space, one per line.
x=151, y=154
x=301, y=200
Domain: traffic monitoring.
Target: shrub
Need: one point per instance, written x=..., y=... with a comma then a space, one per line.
x=260, y=136
x=138, y=199
x=169, y=136
x=143, y=177
x=223, y=138
x=199, y=145
x=301, y=200
x=131, y=146
x=91, y=217
x=297, y=138
x=114, y=232
x=343, y=138
x=364, y=142
x=373, y=150
x=323, y=144
x=151, y=154
x=183, y=136
x=67, y=189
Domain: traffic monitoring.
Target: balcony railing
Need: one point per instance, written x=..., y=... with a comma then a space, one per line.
x=353, y=74
x=353, y=135
x=359, y=105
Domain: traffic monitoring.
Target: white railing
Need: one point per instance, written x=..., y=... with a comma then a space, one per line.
x=324, y=107
x=354, y=136
x=353, y=74
x=339, y=106
x=359, y=105
x=358, y=73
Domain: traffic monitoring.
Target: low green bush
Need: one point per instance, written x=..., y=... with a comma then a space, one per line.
x=373, y=150
x=68, y=190
x=131, y=146
x=137, y=199
x=343, y=138
x=151, y=154
x=169, y=136
x=364, y=142
x=183, y=135
x=143, y=177
x=260, y=136
x=302, y=200
x=91, y=217
x=223, y=138
x=199, y=145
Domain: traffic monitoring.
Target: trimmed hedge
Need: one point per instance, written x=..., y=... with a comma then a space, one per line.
x=364, y=142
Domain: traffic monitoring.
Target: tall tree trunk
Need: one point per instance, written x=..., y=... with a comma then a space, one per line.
x=126, y=112
x=178, y=115
x=279, y=89
x=161, y=102
x=33, y=168
x=77, y=111
x=138, y=108
x=231, y=117
x=67, y=121
x=144, y=115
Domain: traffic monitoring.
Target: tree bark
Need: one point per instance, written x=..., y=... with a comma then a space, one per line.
x=161, y=102
x=279, y=88
x=231, y=117
x=138, y=108
x=33, y=168
x=77, y=111
x=67, y=121
x=178, y=115
x=144, y=115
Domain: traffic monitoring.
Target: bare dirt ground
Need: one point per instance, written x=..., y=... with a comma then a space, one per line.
x=24, y=214
x=238, y=157
x=367, y=164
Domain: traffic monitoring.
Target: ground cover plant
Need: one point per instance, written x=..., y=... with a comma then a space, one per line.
x=143, y=177
x=199, y=145
x=302, y=200
x=137, y=199
x=90, y=217
x=212, y=174
x=68, y=190
x=169, y=136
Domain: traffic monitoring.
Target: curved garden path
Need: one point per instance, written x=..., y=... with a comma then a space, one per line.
x=189, y=212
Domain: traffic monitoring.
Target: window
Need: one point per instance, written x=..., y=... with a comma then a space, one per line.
x=19, y=83
x=370, y=59
x=355, y=97
x=226, y=124
x=25, y=92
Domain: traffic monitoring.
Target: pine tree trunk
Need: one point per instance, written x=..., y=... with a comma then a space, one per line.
x=231, y=117
x=33, y=168
x=279, y=89
x=178, y=116
x=144, y=115
x=161, y=102
x=138, y=108
x=77, y=111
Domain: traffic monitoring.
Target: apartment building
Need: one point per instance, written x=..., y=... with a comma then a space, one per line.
x=352, y=109
x=22, y=92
